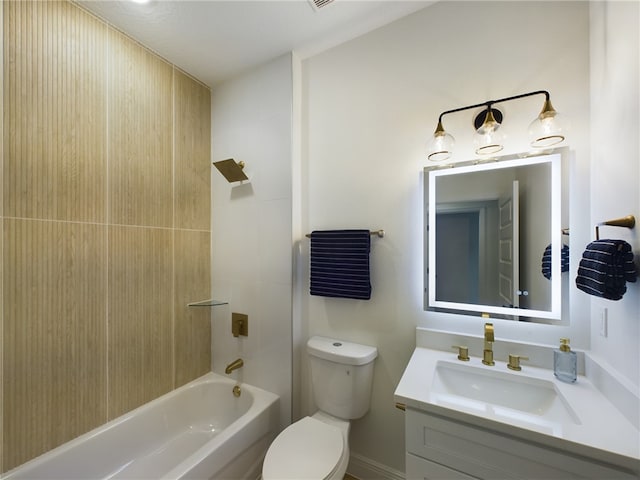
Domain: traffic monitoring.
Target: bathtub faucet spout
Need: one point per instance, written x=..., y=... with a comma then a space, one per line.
x=236, y=364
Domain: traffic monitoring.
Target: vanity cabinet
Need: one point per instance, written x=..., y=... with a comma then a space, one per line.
x=440, y=448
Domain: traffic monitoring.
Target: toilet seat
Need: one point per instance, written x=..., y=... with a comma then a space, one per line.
x=307, y=449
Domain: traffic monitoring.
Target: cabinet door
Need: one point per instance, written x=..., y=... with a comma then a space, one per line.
x=487, y=454
x=422, y=469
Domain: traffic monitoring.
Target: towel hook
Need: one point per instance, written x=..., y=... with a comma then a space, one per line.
x=629, y=222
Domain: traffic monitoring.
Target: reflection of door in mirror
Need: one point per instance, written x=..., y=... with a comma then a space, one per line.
x=510, y=247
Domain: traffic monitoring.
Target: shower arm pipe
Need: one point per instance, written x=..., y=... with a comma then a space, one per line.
x=489, y=103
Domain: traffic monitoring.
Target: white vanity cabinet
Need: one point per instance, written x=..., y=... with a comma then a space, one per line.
x=468, y=420
x=440, y=448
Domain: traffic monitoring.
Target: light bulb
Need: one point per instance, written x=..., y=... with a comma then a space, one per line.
x=548, y=128
x=489, y=138
x=440, y=145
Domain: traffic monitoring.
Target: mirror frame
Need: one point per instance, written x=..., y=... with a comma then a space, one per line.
x=430, y=302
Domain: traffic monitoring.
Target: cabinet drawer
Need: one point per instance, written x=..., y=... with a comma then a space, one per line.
x=486, y=454
x=421, y=469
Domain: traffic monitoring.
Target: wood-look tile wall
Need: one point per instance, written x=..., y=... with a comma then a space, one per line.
x=105, y=215
x=140, y=108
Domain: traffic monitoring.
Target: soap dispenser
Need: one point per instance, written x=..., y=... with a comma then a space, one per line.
x=565, y=362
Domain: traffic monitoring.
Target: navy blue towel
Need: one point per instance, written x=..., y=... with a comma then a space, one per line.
x=605, y=268
x=546, y=261
x=340, y=264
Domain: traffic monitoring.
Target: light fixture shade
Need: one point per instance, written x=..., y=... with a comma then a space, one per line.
x=489, y=138
x=548, y=129
x=440, y=145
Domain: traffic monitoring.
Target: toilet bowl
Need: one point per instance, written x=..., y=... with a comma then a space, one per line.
x=317, y=447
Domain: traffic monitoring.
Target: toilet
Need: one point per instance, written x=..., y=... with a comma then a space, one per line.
x=317, y=447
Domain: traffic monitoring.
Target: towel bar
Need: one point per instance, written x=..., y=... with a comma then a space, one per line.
x=379, y=233
x=629, y=222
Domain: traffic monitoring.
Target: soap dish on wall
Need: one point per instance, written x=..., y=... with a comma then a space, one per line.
x=207, y=303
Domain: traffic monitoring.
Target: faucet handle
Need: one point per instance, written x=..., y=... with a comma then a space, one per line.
x=463, y=352
x=514, y=362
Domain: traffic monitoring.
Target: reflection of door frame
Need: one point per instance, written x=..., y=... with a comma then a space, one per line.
x=509, y=227
x=487, y=256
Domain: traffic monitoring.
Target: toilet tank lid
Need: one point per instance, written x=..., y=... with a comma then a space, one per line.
x=340, y=351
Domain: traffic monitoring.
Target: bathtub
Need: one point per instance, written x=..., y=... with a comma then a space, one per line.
x=200, y=431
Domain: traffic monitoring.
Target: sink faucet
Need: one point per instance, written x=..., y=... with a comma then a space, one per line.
x=487, y=353
x=236, y=364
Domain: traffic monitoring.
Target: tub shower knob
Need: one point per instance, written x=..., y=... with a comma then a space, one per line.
x=239, y=324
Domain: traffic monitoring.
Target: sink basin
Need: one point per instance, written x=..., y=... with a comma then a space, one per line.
x=498, y=394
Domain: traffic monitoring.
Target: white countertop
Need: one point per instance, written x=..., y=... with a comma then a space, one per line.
x=601, y=431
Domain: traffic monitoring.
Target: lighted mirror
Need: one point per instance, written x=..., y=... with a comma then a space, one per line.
x=488, y=228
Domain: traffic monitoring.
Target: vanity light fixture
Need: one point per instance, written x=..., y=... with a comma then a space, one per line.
x=545, y=131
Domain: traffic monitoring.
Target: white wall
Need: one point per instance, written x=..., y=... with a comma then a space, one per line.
x=366, y=109
x=369, y=106
x=251, y=233
x=615, y=178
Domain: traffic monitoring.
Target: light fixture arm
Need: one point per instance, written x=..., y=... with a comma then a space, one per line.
x=489, y=103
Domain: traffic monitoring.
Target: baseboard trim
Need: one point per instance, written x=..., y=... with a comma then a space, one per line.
x=366, y=469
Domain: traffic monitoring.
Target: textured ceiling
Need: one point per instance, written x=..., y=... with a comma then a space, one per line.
x=214, y=40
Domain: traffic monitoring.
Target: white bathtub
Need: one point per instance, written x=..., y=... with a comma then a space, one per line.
x=198, y=431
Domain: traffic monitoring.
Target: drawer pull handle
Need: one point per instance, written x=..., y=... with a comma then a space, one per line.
x=401, y=406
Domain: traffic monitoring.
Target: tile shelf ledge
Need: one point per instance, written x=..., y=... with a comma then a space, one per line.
x=207, y=303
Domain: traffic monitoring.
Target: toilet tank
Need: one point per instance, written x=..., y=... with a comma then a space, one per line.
x=341, y=376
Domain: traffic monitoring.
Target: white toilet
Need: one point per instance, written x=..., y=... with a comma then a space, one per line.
x=317, y=447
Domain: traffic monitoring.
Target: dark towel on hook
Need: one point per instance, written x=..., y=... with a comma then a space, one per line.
x=605, y=268
x=340, y=264
x=546, y=261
